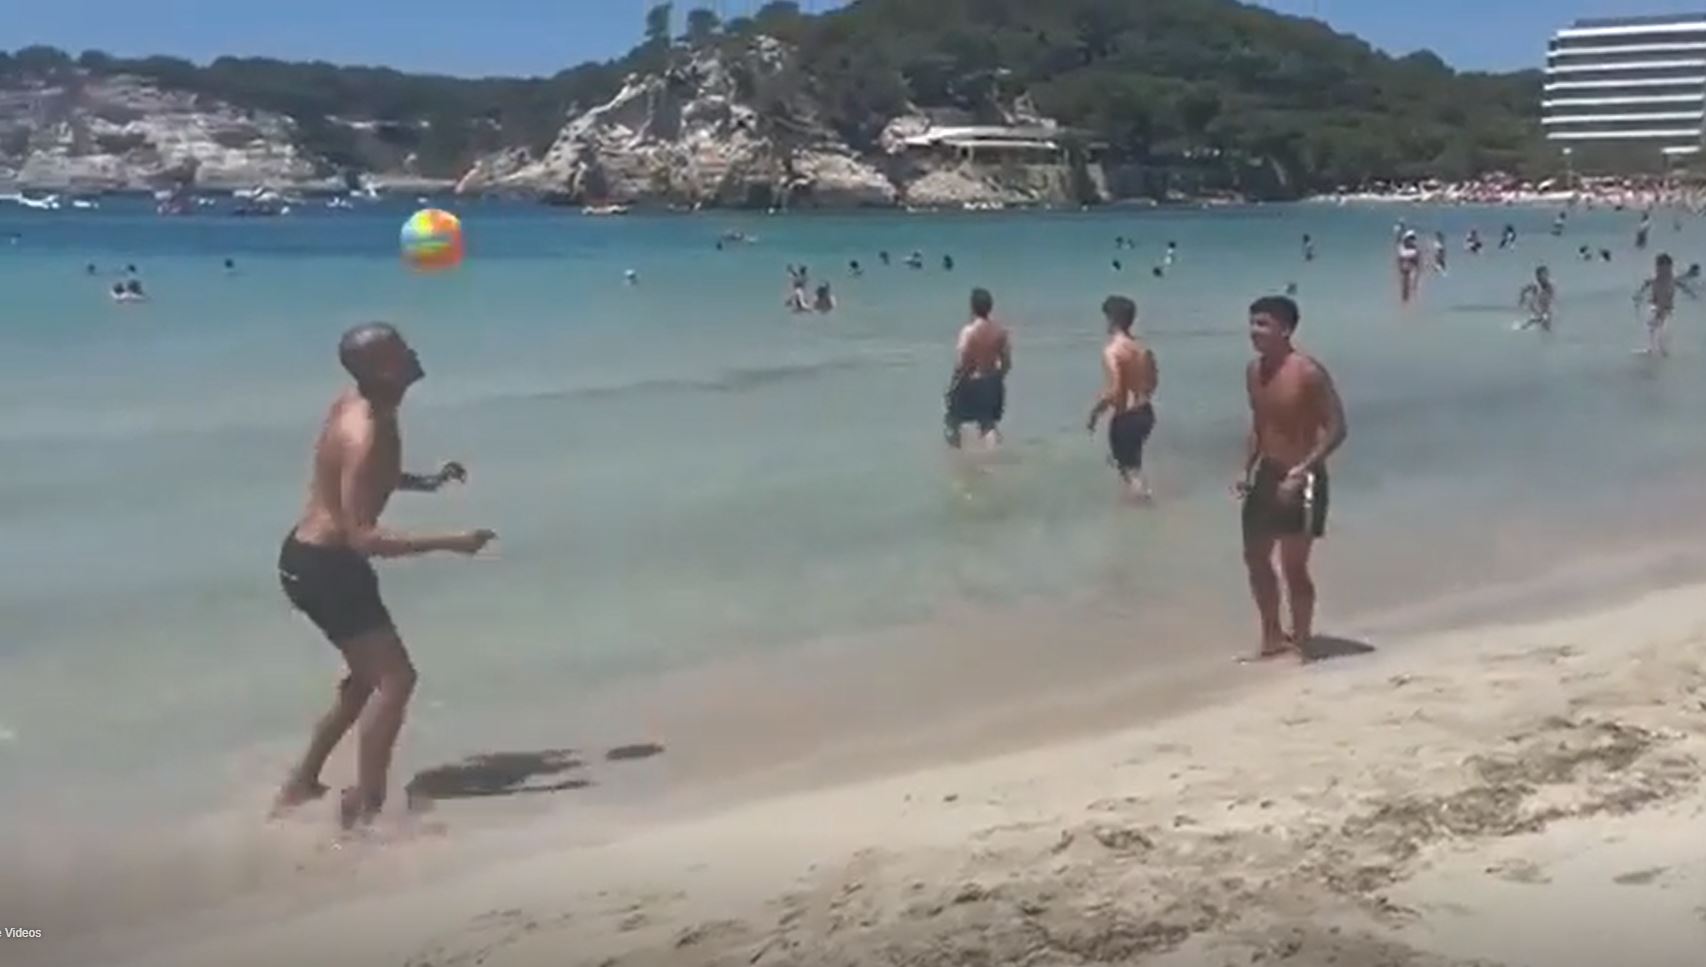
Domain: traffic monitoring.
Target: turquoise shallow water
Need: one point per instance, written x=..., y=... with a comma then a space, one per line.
x=682, y=472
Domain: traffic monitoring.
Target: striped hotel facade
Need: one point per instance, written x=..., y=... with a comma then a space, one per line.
x=1633, y=82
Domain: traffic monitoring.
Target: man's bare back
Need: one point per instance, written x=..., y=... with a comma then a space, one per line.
x=977, y=391
x=1131, y=370
x=984, y=349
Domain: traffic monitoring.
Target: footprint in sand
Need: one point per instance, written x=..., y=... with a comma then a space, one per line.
x=1641, y=877
x=1520, y=871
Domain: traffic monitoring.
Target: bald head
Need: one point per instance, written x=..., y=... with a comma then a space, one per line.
x=379, y=360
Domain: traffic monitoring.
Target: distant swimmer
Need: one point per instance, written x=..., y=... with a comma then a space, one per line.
x=129, y=291
x=1585, y=253
x=1409, y=267
x=1558, y=224
x=130, y=270
x=947, y=263
x=855, y=269
x=1159, y=272
x=1171, y=256
x=1130, y=381
x=325, y=570
x=1536, y=299
x=1693, y=273
x=1473, y=244
x=823, y=300
x=1605, y=255
x=977, y=392
x=1298, y=422
x=1308, y=249
x=230, y=266
x=1659, y=295
x=1291, y=288
x=883, y=257
x=1440, y=256
x=915, y=260
x=1119, y=266
x=1644, y=231
x=90, y=269
x=631, y=277
x=1507, y=239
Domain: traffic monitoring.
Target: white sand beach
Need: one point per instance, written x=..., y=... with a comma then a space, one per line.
x=1526, y=796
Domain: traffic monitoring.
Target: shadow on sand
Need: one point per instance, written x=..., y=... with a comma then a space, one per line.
x=1328, y=648
x=513, y=774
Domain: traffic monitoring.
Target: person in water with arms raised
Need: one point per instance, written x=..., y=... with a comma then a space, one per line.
x=325, y=571
x=977, y=392
x=1131, y=378
x=1297, y=422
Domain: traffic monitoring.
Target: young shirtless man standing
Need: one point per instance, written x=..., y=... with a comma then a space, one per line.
x=325, y=573
x=1297, y=423
x=1131, y=378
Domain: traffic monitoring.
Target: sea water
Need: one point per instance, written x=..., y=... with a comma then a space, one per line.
x=683, y=473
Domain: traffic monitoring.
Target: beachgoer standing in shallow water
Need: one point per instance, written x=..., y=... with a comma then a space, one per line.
x=1308, y=249
x=1128, y=390
x=1440, y=255
x=977, y=391
x=1409, y=267
x=325, y=571
x=1472, y=243
x=1298, y=422
x=1536, y=299
x=1644, y=232
x=1659, y=293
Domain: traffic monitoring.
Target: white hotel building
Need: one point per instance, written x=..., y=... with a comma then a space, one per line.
x=1629, y=82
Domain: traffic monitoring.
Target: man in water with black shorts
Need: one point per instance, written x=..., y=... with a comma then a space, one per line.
x=1297, y=423
x=324, y=567
x=977, y=391
x=1129, y=391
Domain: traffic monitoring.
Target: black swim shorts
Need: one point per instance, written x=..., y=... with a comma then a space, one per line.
x=976, y=399
x=335, y=587
x=1267, y=515
x=1127, y=434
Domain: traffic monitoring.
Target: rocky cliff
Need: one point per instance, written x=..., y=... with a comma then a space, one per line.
x=713, y=130
x=744, y=130
x=86, y=133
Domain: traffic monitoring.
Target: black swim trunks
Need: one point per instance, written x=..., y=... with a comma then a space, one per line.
x=1266, y=515
x=1127, y=434
x=335, y=587
x=976, y=399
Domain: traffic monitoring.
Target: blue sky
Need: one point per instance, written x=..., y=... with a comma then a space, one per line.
x=541, y=36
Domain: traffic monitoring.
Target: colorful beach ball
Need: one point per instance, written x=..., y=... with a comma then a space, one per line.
x=432, y=240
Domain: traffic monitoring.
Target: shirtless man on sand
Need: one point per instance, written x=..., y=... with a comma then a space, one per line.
x=1298, y=423
x=1129, y=391
x=325, y=573
x=977, y=392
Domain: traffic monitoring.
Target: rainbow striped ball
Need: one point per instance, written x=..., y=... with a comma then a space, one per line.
x=432, y=240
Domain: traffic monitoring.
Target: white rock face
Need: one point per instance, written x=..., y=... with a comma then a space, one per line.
x=697, y=136
x=125, y=133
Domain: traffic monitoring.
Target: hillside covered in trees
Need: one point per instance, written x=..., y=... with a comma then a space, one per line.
x=1210, y=83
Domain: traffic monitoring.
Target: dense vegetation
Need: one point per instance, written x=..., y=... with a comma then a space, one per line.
x=1207, y=83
